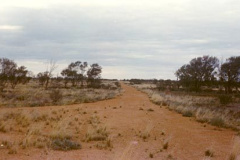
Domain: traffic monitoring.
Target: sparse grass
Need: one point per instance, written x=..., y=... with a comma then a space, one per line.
x=204, y=107
x=235, y=153
x=12, y=151
x=146, y=133
x=34, y=95
x=104, y=144
x=96, y=134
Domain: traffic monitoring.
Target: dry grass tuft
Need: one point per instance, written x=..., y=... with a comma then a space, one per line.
x=146, y=133
x=235, y=153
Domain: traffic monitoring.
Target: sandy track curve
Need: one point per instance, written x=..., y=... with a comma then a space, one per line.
x=187, y=138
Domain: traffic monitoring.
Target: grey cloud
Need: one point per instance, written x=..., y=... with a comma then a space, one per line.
x=159, y=39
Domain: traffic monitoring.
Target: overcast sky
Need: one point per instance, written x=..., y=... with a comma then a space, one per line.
x=128, y=38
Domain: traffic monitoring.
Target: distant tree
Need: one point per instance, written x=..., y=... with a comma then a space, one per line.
x=199, y=71
x=7, y=68
x=94, y=75
x=18, y=75
x=67, y=75
x=11, y=74
x=75, y=72
x=45, y=77
x=230, y=72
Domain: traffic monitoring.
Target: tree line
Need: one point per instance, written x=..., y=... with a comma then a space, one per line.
x=77, y=73
x=208, y=71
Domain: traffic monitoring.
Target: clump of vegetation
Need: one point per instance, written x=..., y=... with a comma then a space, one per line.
x=217, y=121
x=104, y=144
x=187, y=114
x=64, y=144
x=209, y=153
x=56, y=95
x=97, y=134
x=150, y=110
x=146, y=133
x=225, y=99
x=165, y=145
x=150, y=155
x=12, y=151
x=2, y=128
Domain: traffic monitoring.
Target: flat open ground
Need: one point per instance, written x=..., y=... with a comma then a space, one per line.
x=127, y=119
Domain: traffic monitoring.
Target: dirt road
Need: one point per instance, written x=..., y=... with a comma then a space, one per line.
x=129, y=119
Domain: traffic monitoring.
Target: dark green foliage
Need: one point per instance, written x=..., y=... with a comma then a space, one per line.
x=230, y=73
x=94, y=74
x=75, y=72
x=11, y=74
x=199, y=71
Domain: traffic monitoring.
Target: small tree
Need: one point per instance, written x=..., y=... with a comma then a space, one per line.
x=6, y=69
x=230, y=72
x=75, y=73
x=11, y=74
x=45, y=77
x=199, y=71
x=19, y=75
x=94, y=75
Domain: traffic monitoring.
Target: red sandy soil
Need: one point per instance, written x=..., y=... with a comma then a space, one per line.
x=187, y=138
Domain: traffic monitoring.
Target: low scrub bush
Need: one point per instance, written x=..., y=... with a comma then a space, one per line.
x=65, y=144
x=187, y=114
x=217, y=121
x=225, y=99
x=56, y=95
